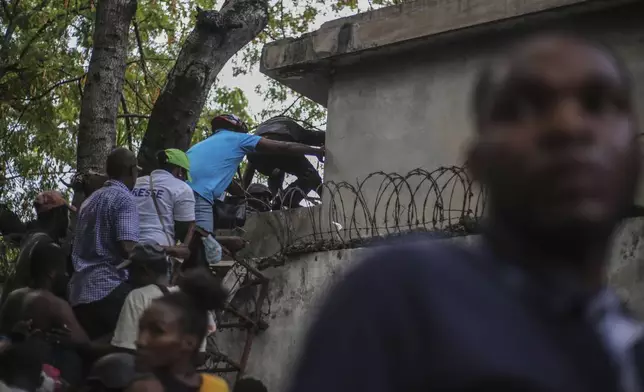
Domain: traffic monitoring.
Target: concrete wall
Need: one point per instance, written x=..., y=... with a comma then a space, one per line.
x=297, y=287
x=410, y=111
x=395, y=113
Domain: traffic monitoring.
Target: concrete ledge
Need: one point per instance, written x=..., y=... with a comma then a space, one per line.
x=305, y=63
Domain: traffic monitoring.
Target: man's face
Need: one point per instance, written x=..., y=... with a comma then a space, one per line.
x=161, y=341
x=557, y=147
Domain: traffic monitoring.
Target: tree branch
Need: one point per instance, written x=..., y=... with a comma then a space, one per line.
x=42, y=28
x=282, y=19
x=139, y=43
x=15, y=6
x=283, y=114
x=128, y=126
x=35, y=174
x=53, y=87
x=159, y=59
x=137, y=94
x=133, y=115
x=13, y=67
x=80, y=88
x=144, y=65
x=291, y=106
x=217, y=36
x=5, y=8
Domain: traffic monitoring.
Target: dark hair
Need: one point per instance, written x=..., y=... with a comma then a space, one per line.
x=199, y=293
x=120, y=162
x=249, y=385
x=45, y=259
x=55, y=213
x=21, y=364
x=485, y=80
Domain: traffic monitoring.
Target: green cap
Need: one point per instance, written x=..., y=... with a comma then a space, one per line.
x=178, y=158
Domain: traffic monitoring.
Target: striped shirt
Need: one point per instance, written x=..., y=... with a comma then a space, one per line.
x=107, y=217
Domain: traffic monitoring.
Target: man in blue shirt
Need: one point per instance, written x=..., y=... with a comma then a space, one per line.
x=214, y=161
x=527, y=308
x=106, y=231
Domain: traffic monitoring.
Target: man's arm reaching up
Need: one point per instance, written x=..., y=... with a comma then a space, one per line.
x=288, y=148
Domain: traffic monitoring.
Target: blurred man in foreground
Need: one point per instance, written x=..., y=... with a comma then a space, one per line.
x=527, y=309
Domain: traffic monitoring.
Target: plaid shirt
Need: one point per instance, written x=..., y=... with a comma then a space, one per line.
x=108, y=216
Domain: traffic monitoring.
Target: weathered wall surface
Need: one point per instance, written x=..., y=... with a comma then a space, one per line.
x=626, y=269
x=412, y=110
x=397, y=84
x=297, y=287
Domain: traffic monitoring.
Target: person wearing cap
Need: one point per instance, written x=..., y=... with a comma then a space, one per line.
x=42, y=239
x=149, y=272
x=173, y=211
x=106, y=231
x=113, y=372
x=216, y=159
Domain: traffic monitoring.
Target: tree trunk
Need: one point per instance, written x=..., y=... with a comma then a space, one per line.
x=216, y=37
x=99, y=106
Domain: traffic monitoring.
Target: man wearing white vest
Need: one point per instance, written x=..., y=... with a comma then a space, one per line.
x=165, y=202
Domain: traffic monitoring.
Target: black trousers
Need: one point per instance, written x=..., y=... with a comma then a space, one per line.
x=308, y=178
x=99, y=318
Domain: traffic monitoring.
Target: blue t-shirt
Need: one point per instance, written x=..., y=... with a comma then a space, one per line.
x=214, y=161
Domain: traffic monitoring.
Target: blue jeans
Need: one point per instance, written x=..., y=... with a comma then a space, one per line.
x=203, y=214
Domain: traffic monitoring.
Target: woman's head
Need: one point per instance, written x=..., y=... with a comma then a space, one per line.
x=173, y=327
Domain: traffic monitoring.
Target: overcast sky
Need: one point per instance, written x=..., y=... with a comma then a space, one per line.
x=248, y=82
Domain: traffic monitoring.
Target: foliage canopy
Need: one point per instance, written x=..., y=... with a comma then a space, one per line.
x=45, y=47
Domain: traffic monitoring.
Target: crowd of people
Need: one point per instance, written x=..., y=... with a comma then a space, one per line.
x=125, y=300
x=526, y=308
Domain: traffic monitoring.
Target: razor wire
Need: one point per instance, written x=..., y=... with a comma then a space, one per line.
x=444, y=201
